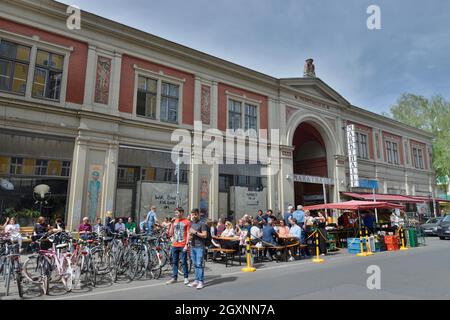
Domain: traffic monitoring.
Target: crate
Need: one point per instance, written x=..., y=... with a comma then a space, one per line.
x=353, y=245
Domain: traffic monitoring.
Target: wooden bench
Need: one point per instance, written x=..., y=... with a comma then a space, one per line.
x=227, y=254
x=27, y=233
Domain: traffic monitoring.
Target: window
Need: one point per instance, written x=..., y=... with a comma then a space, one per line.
x=361, y=145
x=418, y=158
x=146, y=97
x=41, y=167
x=48, y=75
x=392, y=152
x=16, y=166
x=65, y=169
x=251, y=117
x=169, y=102
x=234, y=115
x=14, y=65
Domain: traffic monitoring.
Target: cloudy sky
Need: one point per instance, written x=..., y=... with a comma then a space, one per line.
x=370, y=68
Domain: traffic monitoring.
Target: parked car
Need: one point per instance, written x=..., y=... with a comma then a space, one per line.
x=443, y=228
x=429, y=228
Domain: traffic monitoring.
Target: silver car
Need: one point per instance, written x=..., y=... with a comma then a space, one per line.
x=429, y=228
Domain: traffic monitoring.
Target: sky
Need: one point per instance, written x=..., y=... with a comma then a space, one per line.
x=370, y=68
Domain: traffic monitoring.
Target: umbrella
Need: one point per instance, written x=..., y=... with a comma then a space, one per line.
x=355, y=205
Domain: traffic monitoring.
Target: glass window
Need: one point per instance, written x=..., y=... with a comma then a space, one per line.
x=418, y=158
x=392, y=152
x=41, y=167
x=234, y=115
x=146, y=97
x=16, y=166
x=48, y=75
x=251, y=117
x=14, y=66
x=65, y=169
x=361, y=144
x=169, y=102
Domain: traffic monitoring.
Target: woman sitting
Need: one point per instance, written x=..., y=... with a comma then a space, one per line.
x=282, y=229
x=13, y=230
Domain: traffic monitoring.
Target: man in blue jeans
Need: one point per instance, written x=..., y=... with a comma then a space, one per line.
x=198, y=234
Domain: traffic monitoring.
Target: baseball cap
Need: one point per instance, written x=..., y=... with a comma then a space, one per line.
x=290, y=207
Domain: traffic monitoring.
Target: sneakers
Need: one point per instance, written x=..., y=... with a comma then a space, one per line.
x=200, y=285
x=171, y=281
x=193, y=284
x=186, y=281
x=291, y=259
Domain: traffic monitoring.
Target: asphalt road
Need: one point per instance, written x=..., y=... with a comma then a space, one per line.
x=419, y=273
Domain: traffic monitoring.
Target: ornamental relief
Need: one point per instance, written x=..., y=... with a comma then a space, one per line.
x=205, y=108
x=103, y=77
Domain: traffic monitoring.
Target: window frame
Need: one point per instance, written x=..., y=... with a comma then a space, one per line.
x=68, y=168
x=16, y=166
x=418, y=158
x=36, y=43
x=362, y=155
x=160, y=78
x=392, y=154
x=244, y=101
x=48, y=70
x=13, y=62
x=41, y=169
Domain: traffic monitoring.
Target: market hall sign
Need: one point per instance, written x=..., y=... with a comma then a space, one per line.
x=313, y=179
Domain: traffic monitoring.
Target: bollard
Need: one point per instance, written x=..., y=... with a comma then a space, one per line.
x=368, y=249
x=249, y=268
x=362, y=253
x=317, y=259
x=402, y=232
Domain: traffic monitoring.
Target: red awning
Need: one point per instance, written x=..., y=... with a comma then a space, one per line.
x=355, y=205
x=429, y=199
x=382, y=197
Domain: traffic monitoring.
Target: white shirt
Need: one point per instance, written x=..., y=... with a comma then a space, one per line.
x=13, y=230
x=255, y=232
x=228, y=233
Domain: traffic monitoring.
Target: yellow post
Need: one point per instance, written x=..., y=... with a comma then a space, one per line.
x=368, y=249
x=249, y=268
x=403, y=248
x=362, y=253
x=317, y=259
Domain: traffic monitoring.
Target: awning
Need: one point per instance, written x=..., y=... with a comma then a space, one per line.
x=429, y=199
x=355, y=205
x=382, y=197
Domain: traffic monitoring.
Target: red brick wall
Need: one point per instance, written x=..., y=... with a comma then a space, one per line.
x=127, y=85
x=78, y=58
x=223, y=107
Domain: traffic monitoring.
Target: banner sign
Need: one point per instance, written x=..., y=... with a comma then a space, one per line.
x=368, y=184
x=312, y=179
x=352, y=156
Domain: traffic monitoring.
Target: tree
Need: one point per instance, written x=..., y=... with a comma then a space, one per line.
x=431, y=115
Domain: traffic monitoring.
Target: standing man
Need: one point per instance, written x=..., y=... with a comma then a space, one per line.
x=287, y=215
x=299, y=215
x=179, y=232
x=198, y=233
x=150, y=220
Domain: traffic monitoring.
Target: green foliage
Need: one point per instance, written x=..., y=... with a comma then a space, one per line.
x=432, y=115
x=24, y=213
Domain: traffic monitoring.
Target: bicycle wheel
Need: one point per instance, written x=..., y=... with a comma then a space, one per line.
x=141, y=264
x=8, y=274
x=100, y=260
x=18, y=276
x=130, y=262
x=155, y=265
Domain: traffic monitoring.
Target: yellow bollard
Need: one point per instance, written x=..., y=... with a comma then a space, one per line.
x=369, y=251
x=249, y=268
x=403, y=248
x=317, y=259
x=362, y=253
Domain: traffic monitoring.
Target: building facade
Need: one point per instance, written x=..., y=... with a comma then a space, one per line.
x=91, y=113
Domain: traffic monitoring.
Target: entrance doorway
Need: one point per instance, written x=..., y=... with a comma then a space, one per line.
x=310, y=158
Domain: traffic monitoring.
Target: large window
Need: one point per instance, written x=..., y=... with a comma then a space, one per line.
x=146, y=97
x=361, y=143
x=41, y=167
x=242, y=117
x=48, y=75
x=392, y=152
x=418, y=158
x=65, y=169
x=147, y=100
x=14, y=65
x=169, y=102
x=16, y=166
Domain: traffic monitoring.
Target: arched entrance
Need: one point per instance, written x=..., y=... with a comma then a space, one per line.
x=310, y=158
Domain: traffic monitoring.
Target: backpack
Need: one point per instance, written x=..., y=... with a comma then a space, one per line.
x=208, y=240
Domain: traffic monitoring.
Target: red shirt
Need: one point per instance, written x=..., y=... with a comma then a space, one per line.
x=180, y=229
x=85, y=227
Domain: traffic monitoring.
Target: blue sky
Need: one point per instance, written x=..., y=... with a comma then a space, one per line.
x=370, y=68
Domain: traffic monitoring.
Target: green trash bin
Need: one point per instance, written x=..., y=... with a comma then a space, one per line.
x=412, y=237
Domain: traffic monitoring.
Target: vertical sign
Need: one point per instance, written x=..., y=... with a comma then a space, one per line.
x=352, y=156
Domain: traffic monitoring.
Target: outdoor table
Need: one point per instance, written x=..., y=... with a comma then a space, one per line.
x=229, y=252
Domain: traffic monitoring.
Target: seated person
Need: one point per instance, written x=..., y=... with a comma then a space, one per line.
x=255, y=232
x=59, y=225
x=98, y=228
x=120, y=226
x=282, y=229
x=228, y=233
x=40, y=229
x=269, y=237
x=85, y=229
x=130, y=226
x=12, y=229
